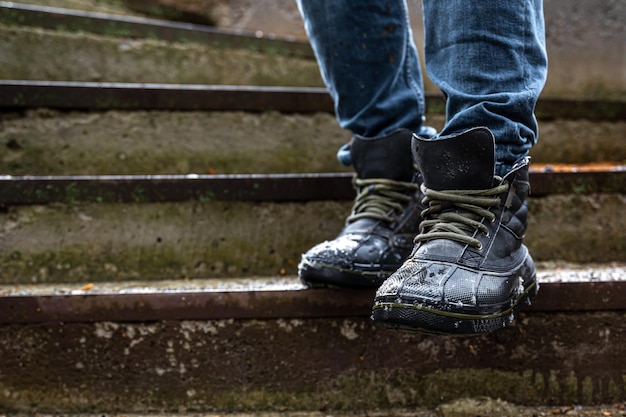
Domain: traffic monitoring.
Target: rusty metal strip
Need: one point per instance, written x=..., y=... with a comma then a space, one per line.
x=171, y=12
x=581, y=296
x=550, y=108
x=159, y=188
x=16, y=94
x=182, y=306
x=55, y=18
x=607, y=181
x=588, y=296
x=243, y=187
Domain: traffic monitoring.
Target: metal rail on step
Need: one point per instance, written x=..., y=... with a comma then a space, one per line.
x=66, y=95
x=255, y=187
x=293, y=302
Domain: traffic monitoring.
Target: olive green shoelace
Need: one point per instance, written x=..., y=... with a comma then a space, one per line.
x=380, y=198
x=464, y=211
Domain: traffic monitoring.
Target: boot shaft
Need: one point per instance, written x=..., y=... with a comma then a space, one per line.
x=387, y=157
x=459, y=162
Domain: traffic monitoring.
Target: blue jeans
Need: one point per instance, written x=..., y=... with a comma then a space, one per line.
x=487, y=56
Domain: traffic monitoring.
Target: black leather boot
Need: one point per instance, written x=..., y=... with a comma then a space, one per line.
x=469, y=272
x=378, y=234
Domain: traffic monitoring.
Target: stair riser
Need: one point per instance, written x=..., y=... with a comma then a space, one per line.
x=65, y=56
x=311, y=364
x=100, y=242
x=156, y=142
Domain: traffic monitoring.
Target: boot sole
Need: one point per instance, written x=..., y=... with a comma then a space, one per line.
x=423, y=319
x=324, y=276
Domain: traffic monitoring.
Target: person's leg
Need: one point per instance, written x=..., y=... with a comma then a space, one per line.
x=489, y=59
x=469, y=271
x=368, y=61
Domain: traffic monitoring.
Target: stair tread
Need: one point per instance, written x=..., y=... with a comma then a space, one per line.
x=550, y=272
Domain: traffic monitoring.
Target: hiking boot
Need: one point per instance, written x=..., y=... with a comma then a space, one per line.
x=378, y=234
x=469, y=272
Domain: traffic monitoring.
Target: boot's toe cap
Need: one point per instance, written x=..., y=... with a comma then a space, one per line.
x=451, y=287
x=355, y=251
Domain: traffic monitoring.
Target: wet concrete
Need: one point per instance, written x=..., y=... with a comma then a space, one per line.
x=547, y=272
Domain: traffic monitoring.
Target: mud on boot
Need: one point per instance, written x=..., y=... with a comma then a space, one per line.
x=469, y=272
x=378, y=234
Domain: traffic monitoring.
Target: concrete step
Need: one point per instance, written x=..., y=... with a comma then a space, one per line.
x=168, y=142
x=271, y=345
x=93, y=242
x=564, y=286
x=70, y=45
x=71, y=56
x=49, y=142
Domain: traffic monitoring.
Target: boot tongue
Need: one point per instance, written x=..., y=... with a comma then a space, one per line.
x=383, y=157
x=465, y=161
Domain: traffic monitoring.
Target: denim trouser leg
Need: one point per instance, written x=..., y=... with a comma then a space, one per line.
x=489, y=59
x=368, y=61
x=487, y=56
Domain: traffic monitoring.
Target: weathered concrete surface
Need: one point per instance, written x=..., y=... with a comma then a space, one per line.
x=101, y=242
x=318, y=364
x=121, y=242
x=580, y=141
x=38, y=54
x=585, y=48
x=568, y=227
x=49, y=142
x=45, y=142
